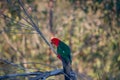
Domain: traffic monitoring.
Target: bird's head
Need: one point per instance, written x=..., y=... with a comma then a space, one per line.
x=55, y=41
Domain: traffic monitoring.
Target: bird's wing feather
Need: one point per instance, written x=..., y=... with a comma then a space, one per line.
x=64, y=51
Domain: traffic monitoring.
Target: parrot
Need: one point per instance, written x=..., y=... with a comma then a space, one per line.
x=64, y=54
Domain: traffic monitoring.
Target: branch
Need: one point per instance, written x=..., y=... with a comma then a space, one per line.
x=12, y=19
x=25, y=26
x=48, y=74
x=13, y=64
x=36, y=27
x=39, y=75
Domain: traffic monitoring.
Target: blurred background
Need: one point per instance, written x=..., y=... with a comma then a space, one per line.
x=90, y=27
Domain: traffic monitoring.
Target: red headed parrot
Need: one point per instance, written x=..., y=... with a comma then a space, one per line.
x=63, y=50
x=64, y=54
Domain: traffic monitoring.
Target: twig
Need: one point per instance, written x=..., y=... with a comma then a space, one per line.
x=26, y=20
x=36, y=27
x=13, y=64
x=25, y=26
x=18, y=22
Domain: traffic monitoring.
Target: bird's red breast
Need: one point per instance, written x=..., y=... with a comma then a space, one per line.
x=59, y=56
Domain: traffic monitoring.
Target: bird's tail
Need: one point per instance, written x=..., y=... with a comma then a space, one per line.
x=67, y=70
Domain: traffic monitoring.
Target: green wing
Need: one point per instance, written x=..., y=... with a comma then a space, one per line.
x=64, y=52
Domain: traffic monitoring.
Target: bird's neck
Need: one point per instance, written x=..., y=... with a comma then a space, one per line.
x=57, y=43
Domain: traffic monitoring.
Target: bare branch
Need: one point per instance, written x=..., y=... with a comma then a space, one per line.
x=39, y=75
x=36, y=27
x=23, y=26
x=18, y=22
x=26, y=20
x=13, y=64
